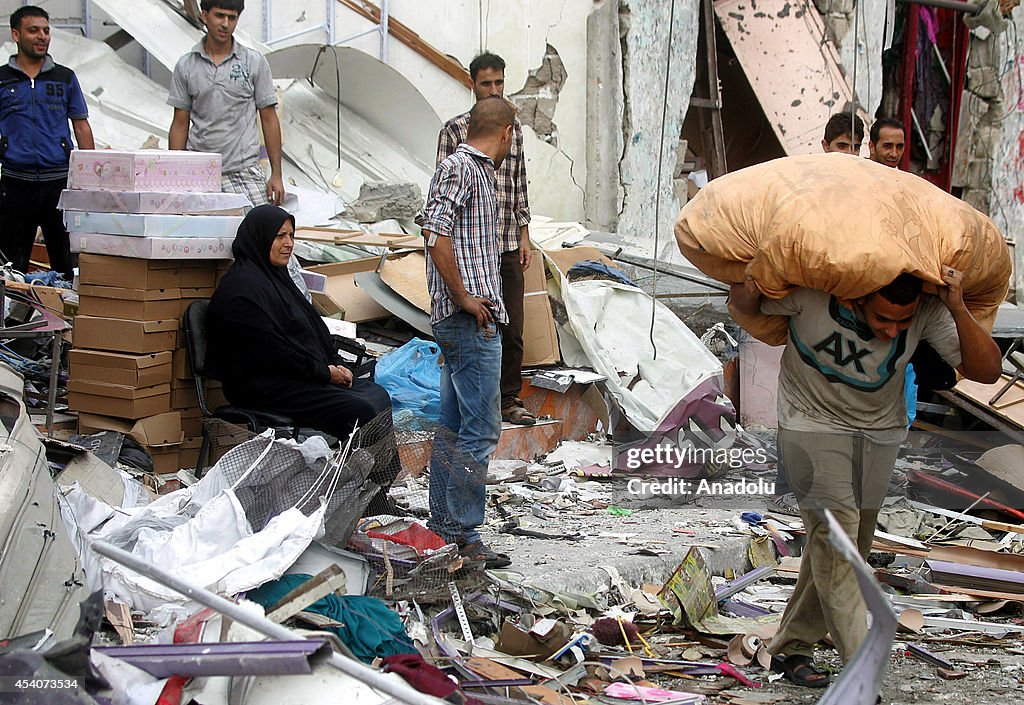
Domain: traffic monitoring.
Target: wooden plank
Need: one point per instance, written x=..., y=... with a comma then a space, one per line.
x=1009, y=407
x=412, y=40
x=328, y=581
x=802, y=55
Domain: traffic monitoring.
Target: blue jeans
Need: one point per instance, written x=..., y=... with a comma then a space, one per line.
x=470, y=424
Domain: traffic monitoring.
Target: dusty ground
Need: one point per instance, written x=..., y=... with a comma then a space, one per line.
x=995, y=676
x=994, y=668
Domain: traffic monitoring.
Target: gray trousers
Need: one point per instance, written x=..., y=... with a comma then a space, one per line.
x=849, y=475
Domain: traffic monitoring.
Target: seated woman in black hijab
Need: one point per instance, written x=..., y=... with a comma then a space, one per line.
x=273, y=352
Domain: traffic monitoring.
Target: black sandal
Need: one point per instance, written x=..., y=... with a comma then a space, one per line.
x=800, y=670
x=479, y=552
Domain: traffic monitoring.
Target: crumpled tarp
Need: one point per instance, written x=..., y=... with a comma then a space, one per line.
x=671, y=391
x=370, y=629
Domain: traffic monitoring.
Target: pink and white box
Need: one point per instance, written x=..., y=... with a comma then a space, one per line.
x=144, y=170
x=153, y=247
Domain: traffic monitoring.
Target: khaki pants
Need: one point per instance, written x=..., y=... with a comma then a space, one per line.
x=849, y=475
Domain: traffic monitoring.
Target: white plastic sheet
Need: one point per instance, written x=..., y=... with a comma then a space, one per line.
x=201, y=533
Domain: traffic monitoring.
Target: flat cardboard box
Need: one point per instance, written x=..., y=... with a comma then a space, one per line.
x=540, y=339
x=116, y=335
x=180, y=249
x=97, y=201
x=150, y=225
x=189, y=452
x=113, y=400
x=118, y=368
x=191, y=422
x=182, y=369
x=165, y=457
x=190, y=296
x=152, y=430
x=185, y=397
x=130, y=304
x=135, y=273
x=176, y=171
x=341, y=287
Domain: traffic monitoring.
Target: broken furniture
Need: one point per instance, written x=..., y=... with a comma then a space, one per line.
x=1015, y=357
x=41, y=578
x=194, y=327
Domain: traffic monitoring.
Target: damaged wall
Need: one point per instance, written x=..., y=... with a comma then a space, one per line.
x=858, y=27
x=1005, y=127
x=992, y=150
x=545, y=55
x=632, y=64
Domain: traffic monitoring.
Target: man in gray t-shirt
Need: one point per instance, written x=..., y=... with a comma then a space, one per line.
x=216, y=91
x=842, y=417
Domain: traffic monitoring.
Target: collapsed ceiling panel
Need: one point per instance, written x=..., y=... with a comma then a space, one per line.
x=369, y=88
x=792, y=66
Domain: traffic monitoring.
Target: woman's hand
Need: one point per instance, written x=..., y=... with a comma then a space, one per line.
x=340, y=375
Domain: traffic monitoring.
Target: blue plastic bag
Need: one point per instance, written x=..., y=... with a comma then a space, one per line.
x=412, y=376
x=910, y=390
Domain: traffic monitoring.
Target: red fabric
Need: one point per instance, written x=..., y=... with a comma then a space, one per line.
x=426, y=678
x=416, y=536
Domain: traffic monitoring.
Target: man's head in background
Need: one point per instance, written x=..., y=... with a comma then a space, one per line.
x=843, y=133
x=488, y=73
x=888, y=140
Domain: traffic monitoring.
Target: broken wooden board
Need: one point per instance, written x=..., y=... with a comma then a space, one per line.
x=491, y=670
x=407, y=276
x=1009, y=407
x=329, y=581
x=563, y=259
x=336, y=236
x=806, y=84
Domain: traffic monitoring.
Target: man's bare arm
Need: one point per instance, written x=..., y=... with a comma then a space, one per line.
x=177, y=136
x=745, y=297
x=981, y=360
x=272, y=138
x=83, y=134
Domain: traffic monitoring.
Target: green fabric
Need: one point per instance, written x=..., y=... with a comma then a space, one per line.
x=371, y=628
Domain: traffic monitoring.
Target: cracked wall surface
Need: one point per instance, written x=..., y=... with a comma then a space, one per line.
x=857, y=27
x=539, y=97
x=658, y=47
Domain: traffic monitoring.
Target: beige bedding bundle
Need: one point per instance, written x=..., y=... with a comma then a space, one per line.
x=843, y=225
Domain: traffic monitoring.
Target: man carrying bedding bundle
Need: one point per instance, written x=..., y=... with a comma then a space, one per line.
x=842, y=418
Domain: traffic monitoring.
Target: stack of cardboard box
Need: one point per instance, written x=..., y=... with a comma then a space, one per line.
x=153, y=238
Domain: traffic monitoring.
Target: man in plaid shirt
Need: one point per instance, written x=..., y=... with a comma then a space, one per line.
x=488, y=74
x=460, y=223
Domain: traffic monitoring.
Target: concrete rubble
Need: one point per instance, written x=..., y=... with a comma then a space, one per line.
x=636, y=576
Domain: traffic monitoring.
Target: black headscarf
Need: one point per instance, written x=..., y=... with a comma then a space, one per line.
x=287, y=334
x=251, y=248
